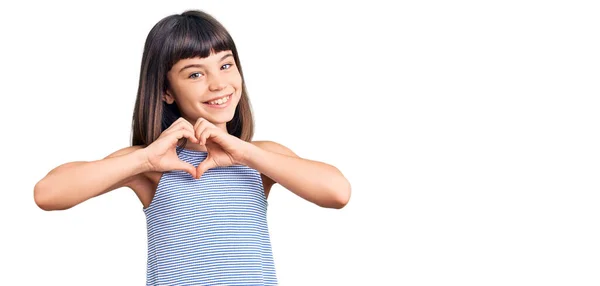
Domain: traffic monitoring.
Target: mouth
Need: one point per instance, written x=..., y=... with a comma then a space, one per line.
x=220, y=102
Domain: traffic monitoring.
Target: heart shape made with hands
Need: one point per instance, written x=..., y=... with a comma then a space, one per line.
x=223, y=148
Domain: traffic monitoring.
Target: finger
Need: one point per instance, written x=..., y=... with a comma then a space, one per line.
x=207, y=133
x=204, y=166
x=200, y=128
x=182, y=124
x=185, y=133
x=200, y=120
x=187, y=125
x=192, y=137
x=197, y=124
x=178, y=124
x=215, y=135
x=188, y=128
x=175, y=123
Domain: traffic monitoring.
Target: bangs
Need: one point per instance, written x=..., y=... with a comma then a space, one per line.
x=195, y=37
x=192, y=34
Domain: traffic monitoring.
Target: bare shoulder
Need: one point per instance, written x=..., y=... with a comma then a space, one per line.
x=274, y=147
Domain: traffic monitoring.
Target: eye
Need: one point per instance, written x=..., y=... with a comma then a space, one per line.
x=227, y=66
x=196, y=73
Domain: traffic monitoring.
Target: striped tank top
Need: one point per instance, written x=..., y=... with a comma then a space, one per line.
x=210, y=231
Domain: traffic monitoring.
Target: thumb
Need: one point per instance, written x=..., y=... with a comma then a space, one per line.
x=208, y=163
x=187, y=167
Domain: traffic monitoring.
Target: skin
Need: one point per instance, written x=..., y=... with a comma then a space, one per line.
x=140, y=168
x=190, y=86
x=193, y=82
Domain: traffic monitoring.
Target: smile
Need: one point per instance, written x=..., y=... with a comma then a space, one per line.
x=220, y=102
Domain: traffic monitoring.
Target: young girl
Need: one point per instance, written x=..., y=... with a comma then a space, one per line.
x=201, y=180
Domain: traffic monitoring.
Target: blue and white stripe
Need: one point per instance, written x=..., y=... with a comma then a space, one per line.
x=211, y=231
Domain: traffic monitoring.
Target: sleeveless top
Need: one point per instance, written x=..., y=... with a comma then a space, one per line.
x=210, y=231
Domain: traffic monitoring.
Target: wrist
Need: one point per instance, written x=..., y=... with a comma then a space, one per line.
x=140, y=157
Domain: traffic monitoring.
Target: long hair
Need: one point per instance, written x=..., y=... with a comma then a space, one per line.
x=181, y=36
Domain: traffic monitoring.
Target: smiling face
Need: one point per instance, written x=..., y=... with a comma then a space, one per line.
x=208, y=87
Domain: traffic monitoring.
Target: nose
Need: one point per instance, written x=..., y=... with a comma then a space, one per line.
x=217, y=83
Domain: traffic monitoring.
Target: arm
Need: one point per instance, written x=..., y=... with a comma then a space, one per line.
x=317, y=182
x=75, y=182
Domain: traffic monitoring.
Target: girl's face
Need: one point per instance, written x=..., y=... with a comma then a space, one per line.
x=209, y=88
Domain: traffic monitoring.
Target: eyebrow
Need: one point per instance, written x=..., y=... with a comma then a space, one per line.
x=201, y=65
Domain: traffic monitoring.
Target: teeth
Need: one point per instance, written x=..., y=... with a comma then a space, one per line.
x=220, y=100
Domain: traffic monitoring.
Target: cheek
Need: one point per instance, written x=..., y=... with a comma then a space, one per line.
x=236, y=79
x=238, y=84
x=192, y=92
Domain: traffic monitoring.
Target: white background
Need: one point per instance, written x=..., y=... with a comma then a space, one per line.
x=469, y=133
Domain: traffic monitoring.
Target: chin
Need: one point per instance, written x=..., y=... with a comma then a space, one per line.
x=219, y=117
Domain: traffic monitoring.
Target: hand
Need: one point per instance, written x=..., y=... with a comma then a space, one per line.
x=161, y=154
x=223, y=148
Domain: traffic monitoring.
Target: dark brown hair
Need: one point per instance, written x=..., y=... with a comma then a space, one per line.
x=188, y=35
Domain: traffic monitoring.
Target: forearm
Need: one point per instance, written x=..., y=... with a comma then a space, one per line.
x=314, y=181
x=74, y=182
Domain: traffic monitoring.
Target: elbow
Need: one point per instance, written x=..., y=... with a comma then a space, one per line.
x=40, y=196
x=43, y=197
x=341, y=196
x=344, y=195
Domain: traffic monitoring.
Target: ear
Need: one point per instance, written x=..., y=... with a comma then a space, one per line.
x=168, y=97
